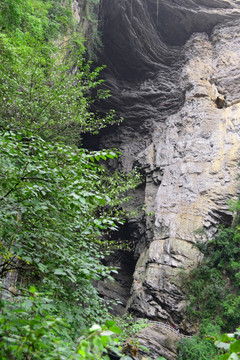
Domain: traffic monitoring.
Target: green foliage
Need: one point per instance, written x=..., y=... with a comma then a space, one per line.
x=42, y=19
x=46, y=88
x=28, y=331
x=196, y=348
x=229, y=345
x=209, y=329
x=130, y=326
x=49, y=95
x=223, y=252
x=213, y=287
x=57, y=201
x=214, y=298
x=50, y=198
x=94, y=42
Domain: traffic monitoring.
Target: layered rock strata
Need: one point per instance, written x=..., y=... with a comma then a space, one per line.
x=173, y=69
x=196, y=154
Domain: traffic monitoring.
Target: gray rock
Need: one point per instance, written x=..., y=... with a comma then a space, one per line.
x=197, y=151
x=158, y=341
x=173, y=70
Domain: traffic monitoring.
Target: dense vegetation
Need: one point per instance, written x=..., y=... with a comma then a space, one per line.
x=213, y=292
x=57, y=199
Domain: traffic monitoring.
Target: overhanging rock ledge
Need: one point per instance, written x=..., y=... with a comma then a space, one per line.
x=174, y=72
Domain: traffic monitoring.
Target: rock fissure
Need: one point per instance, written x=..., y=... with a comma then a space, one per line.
x=173, y=71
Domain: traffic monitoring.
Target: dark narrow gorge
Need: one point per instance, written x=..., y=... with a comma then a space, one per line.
x=119, y=179
x=173, y=69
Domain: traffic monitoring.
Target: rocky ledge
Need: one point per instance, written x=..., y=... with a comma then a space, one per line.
x=174, y=73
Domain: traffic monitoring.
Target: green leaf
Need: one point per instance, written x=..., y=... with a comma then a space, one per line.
x=235, y=347
x=59, y=272
x=233, y=356
x=95, y=327
x=222, y=345
x=110, y=323
x=32, y=289
x=115, y=329
x=226, y=338
x=105, y=340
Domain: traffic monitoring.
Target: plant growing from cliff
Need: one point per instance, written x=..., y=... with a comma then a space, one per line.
x=213, y=291
x=130, y=326
x=94, y=41
x=213, y=287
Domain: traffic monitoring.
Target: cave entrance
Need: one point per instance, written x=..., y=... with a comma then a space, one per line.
x=117, y=292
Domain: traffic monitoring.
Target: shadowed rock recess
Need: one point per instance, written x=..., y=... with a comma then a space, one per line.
x=173, y=68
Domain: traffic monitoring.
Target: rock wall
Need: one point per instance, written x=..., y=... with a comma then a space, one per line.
x=196, y=154
x=174, y=72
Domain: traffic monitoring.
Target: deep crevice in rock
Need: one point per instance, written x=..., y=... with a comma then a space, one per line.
x=119, y=290
x=172, y=75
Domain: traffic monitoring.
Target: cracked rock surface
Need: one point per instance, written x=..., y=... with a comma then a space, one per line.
x=195, y=153
x=174, y=71
x=174, y=74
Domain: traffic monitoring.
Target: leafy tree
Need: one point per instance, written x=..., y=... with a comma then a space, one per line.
x=196, y=349
x=46, y=87
x=57, y=201
x=50, y=221
x=213, y=287
x=28, y=331
x=49, y=95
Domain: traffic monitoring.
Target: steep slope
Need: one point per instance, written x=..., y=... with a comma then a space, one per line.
x=196, y=152
x=173, y=70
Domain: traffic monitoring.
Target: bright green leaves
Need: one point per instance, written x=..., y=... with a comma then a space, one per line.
x=55, y=205
x=42, y=92
x=41, y=19
x=229, y=345
x=235, y=346
x=27, y=330
x=56, y=201
x=42, y=88
x=196, y=348
x=100, y=340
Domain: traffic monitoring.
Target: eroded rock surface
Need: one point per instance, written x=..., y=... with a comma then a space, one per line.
x=174, y=72
x=180, y=105
x=158, y=340
x=196, y=154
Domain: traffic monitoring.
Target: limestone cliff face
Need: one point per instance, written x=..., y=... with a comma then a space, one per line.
x=196, y=154
x=174, y=72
